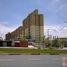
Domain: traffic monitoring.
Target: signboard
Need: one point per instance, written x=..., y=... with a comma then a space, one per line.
x=65, y=61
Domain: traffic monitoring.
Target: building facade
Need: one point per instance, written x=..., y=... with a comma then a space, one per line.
x=32, y=28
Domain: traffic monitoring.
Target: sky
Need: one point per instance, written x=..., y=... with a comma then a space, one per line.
x=12, y=13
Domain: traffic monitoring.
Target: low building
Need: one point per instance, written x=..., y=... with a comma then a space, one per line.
x=5, y=43
x=63, y=42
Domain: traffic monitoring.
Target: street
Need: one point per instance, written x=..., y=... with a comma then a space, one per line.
x=31, y=60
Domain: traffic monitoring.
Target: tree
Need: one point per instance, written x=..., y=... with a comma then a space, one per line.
x=47, y=42
x=56, y=43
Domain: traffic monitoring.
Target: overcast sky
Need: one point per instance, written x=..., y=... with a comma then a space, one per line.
x=12, y=13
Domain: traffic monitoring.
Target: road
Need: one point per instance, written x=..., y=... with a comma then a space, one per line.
x=31, y=60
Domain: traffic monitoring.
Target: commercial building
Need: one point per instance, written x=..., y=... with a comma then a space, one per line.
x=32, y=28
x=63, y=42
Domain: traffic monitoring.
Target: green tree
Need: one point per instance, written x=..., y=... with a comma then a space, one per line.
x=56, y=43
x=47, y=42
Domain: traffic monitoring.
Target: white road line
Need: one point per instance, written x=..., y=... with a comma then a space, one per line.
x=7, y=59
x=57, y=59
x=33, y=59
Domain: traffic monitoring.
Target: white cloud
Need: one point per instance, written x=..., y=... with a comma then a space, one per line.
x=5, y=29
x=55, y=31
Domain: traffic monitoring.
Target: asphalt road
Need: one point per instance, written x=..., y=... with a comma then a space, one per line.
x=31, y=60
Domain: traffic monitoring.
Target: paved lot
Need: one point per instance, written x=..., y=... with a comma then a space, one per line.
x=31, y=60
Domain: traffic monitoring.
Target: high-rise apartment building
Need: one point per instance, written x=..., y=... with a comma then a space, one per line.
x=33, y=28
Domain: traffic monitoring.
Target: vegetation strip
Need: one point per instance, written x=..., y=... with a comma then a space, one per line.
x=32, y=51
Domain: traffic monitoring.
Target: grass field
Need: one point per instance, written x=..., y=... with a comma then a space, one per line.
x=32, y=51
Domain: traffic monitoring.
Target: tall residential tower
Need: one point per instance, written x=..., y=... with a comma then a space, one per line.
x=33, y=28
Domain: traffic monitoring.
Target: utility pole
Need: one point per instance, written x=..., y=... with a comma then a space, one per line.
x=48, y=33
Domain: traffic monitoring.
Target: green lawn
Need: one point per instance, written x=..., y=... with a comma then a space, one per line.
x=32, y=51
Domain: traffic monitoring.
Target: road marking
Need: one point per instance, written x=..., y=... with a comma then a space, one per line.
x=37, y=59
x=7, y=59
x=33, y=59
x=57, y=59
